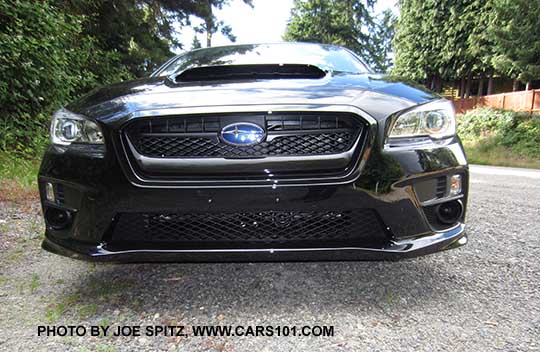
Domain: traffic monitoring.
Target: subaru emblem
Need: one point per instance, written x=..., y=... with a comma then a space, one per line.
x=242, y=133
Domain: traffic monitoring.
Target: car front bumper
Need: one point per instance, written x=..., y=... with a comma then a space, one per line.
x=95, y=190
x=410, y=248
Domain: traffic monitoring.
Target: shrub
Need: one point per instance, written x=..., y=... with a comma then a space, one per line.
x=515, y=130
x=44, y=63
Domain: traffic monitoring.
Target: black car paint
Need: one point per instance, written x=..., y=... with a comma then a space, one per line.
x=98, y=185
x=372, y=93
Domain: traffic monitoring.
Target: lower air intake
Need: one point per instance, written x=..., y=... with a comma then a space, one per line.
x=251, y=229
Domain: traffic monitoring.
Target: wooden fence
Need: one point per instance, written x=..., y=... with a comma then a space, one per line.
x=528, y=101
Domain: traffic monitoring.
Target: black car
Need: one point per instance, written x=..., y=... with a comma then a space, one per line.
x=265, y=152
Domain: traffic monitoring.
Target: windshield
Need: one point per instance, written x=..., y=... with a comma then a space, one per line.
x=326, y=57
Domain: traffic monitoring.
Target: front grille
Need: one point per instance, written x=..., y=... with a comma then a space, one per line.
x=287, y=135
x=251, y=229
x=307, y=144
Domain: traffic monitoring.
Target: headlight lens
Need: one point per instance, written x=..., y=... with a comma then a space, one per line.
x=435, y=120
x=68, y=127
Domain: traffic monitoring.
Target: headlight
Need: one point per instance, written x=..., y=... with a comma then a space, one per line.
x=68, y=127
x=435, y=120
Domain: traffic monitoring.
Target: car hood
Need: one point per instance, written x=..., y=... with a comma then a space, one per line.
x=372, y=93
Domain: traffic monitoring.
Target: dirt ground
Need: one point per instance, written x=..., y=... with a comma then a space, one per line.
x=482, y=297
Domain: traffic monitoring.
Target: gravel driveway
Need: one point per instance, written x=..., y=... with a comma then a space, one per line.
x=482, y=297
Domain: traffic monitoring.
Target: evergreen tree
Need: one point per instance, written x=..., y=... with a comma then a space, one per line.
x=210, y=25
x=195, y=44
x=440, y=40
x=383, y=35
x=516, y=33
x=480, y=42
x=139, y=32
x=348, y=23
x=420, y=40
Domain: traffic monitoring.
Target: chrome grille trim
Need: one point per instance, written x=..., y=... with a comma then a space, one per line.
x=361, y=151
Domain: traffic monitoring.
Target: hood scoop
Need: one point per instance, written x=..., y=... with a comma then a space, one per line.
x=240, y=72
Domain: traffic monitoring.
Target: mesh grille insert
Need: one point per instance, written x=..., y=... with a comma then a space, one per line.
x=251, y=229
x=291, y=134
x=309, y=144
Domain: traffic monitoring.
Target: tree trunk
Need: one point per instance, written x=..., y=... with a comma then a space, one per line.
x=209, y=23
x=462, y=88
x=490, y=85
x=438, y=84
x=468, y=87
x=209, y=27
x=515, y=87
x=528, y=86
x=480, y=87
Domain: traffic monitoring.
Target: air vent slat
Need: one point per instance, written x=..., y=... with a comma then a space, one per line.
x=236, y=72
x=60, y=195
x=440, y=190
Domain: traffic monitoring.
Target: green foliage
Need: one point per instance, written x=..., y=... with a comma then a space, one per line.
x=451, y=39
x=484, y=123
x=480, y=45
x=44, y=62
x=519, y=132
x=346, y=23
x=414, y=43
x=442, y=38
x=517, y=35
x=524, y=138
x=23, y=170
x=195, y=44
x=52, y=51
x=211, y=25
x=139, y=33
x=383, y=34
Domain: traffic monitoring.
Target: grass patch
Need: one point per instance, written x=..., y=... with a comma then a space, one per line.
x=21, y=245
x=15, y=255
x=104, y=322
x=97, y=290
x=21, y=170
x=70, y=304
x=105, y=348
x=18, y=178
x=56, y=310
x=390, y=297
x=87, y=310
x=34, y=283
x=489, y=154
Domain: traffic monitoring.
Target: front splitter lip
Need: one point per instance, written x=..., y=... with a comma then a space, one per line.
x=408, y=248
